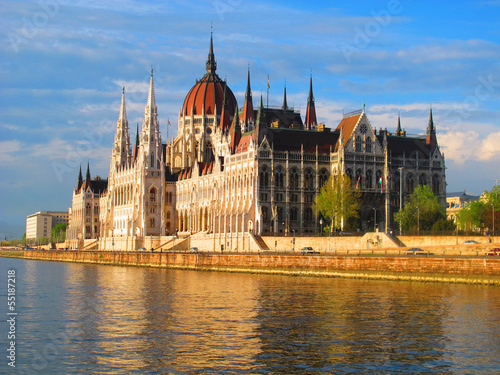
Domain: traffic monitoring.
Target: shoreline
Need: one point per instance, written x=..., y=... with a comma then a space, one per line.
x=476, y=271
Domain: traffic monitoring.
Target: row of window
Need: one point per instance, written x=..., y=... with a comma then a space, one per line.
x=294, y=178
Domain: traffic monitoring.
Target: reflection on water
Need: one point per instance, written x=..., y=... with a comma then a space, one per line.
x=76, y=318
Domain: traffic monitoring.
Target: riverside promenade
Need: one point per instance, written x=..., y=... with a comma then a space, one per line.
x=468, y=269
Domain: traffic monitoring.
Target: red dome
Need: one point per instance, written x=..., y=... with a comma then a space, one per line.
x=208, y=93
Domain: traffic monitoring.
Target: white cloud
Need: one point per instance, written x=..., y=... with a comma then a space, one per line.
x=7, y=148
x=461, y=146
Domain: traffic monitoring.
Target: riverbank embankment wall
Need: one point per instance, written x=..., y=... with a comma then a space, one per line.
x=409, y=268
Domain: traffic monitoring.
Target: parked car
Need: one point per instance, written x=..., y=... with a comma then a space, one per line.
x=417, y=251
x=308, y=250
x=495, y=251
x=193, y=249
x=141, y=249
x=470, y=242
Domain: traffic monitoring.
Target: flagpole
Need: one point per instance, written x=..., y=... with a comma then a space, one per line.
x=268, y=86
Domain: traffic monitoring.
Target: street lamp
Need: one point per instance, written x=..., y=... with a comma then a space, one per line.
x=321, y=225
x=493, y=214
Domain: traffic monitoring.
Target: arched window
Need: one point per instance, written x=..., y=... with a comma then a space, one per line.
x=369, y=179
x=410, y=183
x=279, y=178
x=208, y=152
x=348, y=173
x=308, y=179
x=435, y=184
x=308, y=214
x=264, y=177
x=396, y=182
x=323, y=177
x=368, y=144
x=152, y=160
x=294, y=214
x=264, y=213
x=152, y=222
x=422, y=180
x=359, y=144
x=294, y=178
x=152, y=195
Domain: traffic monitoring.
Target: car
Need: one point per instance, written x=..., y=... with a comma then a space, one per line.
x=308, y=250
x=141, y=249
x=495, y=251
x=417, y=251
x=470, y=242
x=193, y=249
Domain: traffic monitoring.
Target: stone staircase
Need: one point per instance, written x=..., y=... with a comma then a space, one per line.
x=260, y=242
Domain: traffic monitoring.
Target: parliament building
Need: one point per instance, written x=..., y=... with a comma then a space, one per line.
x=237, y=173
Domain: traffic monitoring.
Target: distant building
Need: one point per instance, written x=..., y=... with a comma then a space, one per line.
x=456, y=201
x=40, y=224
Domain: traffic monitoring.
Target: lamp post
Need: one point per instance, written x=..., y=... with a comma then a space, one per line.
x=321, y=226
x=493, y=217
x=375, y=219
x=418, y=221
x=400, y=196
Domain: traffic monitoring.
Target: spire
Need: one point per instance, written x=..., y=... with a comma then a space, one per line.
x=248, y=114
x=235, y=131
x=431, y=140
x=285, y=105
x=224, y=117
x=260, y=123
x=87, y=176
x=80, y=179
x=123, y=112
x=151, y=104
x=311, y=120
x=211, y=64
x=399, y=130
x=136, y=147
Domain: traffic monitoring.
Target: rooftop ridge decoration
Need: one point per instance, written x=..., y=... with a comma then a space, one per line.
x=353, y=113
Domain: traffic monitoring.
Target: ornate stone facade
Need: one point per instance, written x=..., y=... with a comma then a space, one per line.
x=233, y=174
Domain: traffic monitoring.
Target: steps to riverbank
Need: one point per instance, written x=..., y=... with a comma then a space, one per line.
x=469, y=270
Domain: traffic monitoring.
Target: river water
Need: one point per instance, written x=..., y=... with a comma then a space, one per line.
x=81, y=318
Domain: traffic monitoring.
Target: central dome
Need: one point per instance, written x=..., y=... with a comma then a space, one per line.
x=207, y=95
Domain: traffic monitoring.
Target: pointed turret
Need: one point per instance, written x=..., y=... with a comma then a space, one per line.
x=248, y=113
x=224, y=117
x=260, y=122
x=285, y=105
x=150, y=141
x=121, y=151
x=398, y=130
x=311, y=120
x=431, y=140
x=87, y=176
x=211, y=63
x=136, y=147
x=235, y=131
x=80, y=180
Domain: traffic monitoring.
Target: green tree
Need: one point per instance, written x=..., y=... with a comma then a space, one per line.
x=423, y=211
x=337, y=202
x=58, y=233
x=482, y=213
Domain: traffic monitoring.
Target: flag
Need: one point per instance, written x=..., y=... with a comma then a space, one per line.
x=268, y=83
x=381, y=182
x=168, y=122
x=357, y=182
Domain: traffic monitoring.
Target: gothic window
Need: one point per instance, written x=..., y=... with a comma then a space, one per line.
x=396, y=182
x=368, y=146
x=280, y=213
x=208, y=152
x=308, y=179
x=279, y=178
x=152, y=160
x=294, y=214
x=348, y=173
x=308, y=214
x=264, y=177
x=294, y=178
x=435, y=184
x=168, y=214
x=87, y=209
x=359, y=144
x=152, y=195
x=369, y=179
x=264, y=213
x=409, y=183
x=152, y=222
x=422, y=180
x=323, y=177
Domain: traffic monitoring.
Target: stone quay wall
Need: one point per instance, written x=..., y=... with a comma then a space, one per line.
x=485, y=271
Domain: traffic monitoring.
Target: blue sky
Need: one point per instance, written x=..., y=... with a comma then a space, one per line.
x=64, y=63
